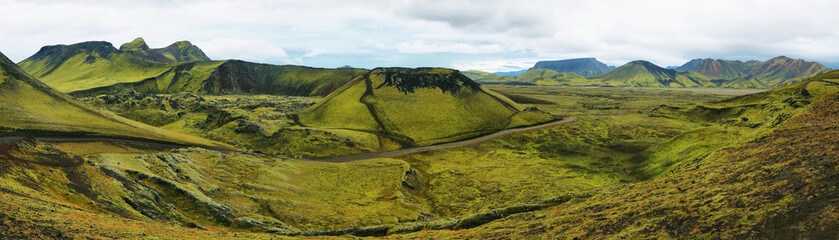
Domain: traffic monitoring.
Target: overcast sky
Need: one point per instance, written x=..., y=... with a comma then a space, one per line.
x=489, y=35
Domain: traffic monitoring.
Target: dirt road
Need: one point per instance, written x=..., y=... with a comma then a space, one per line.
x=467, y=142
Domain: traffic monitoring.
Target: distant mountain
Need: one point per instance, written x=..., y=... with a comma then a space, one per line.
x=775, y=72
x=717, y=69
x=387, y=101
x=582, y=66
x=645, y=74
x=511, y=73
x=532, y=77
x=97, y=67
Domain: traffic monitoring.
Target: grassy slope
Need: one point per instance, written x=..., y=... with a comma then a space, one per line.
x=774, y=179
x=31, y=107
x=90, y=70
x=414, y=117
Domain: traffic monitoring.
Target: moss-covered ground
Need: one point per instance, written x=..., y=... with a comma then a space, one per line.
x=647, y=163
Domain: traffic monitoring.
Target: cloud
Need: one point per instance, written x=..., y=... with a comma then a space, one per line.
x=315, y=52
x=418, y=32
x=419, y=46
x=245, y=49
x=496, y=65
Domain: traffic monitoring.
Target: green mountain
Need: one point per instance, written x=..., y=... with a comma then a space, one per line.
x=775, y=72
x=97, y=67
x=30, y=108
x=645, y=74
x=420, y=106
x=183, y=51
x=533, y=76
x=582, y=66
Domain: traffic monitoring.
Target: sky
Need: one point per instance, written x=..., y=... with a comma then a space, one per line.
x=487, y=35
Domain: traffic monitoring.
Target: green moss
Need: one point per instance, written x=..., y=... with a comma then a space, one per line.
x=30, y=106
x=415, y=106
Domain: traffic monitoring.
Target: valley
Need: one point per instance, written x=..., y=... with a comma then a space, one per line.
x=99, y=142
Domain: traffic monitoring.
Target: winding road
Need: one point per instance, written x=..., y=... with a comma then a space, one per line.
x=337, y=159
x=467, y=142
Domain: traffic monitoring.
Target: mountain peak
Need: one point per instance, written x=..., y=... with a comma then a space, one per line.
x=182, y=51
x=582, y=66
x=138, y=44
x=644, y=63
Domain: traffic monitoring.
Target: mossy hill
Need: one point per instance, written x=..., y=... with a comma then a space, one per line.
x=532, y=76
x=420, y=106
x=29, y=107
x=775, y=72
x=585, y=67
x=645, y=74
x=97, y=67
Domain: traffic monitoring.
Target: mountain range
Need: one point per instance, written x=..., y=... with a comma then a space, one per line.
x=30, y=108
x=773, y=73
x=91, y=68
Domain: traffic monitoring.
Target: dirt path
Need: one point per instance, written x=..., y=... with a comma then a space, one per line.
x=363, y=156
x=467, y=142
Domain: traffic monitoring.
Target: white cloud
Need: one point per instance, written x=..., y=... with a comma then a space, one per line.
x=259, y=50
x=316, y=52
x=495, y=65
x=419, y=46
x=392, y=33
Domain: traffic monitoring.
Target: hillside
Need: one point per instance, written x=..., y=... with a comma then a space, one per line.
x=31, y=108
x=97, y=67
x=775, y=72
x=583, y=66
x=773, y=178
x=420, y=106
x=645, y=74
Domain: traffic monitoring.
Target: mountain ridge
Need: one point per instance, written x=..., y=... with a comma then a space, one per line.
x=583, y=66
x=775, y=72
x=98, y=67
